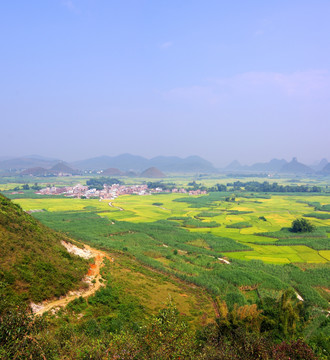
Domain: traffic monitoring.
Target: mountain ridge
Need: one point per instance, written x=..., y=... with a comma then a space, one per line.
x=295, y=167
x=126, y=162
x=129, y=162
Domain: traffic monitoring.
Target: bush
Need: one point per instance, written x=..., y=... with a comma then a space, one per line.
x=302, y=225
x=18, y=334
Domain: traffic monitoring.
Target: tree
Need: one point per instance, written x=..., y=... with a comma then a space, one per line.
x=302, y=225
x=35, y=186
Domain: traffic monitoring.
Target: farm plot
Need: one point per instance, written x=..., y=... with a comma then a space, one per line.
x=280, y=254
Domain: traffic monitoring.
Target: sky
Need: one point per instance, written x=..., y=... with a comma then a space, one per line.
x=225, y=80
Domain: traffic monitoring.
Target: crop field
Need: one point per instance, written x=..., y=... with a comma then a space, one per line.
x=241, y=220
x=185, y=236
x=281, y=254
x=66, y=204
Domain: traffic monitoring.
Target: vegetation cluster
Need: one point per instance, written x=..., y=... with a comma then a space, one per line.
x=265, y=186
x=112, y=326
x=34, y=265
x=97, y=183
x=301, y=226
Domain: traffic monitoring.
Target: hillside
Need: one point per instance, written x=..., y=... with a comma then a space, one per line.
x=272, y=165
x=63, y=168
x=190, y=164
x=113, y=172
x=124, y=162
x=27, y=162
x=295, y=167
x=320, y=166
x=152, y=172
x=35, y=171
x=234, y=166
x=33, y=263
x=326, y=169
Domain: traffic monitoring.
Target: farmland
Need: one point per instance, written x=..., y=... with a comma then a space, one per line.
x=185, y=235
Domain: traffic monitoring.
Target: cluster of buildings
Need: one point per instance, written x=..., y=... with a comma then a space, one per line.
x=74, y=191
x=110, y=192
x=190, y=192
x=197, y=192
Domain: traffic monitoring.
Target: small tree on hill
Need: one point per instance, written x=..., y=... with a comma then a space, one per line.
x=302, y=225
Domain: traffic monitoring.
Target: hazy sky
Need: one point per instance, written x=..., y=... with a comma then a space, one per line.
x=246, y=80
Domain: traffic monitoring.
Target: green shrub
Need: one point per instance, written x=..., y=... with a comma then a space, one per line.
x=302, y=225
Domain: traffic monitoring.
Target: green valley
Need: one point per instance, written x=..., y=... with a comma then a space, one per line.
x=215, y=255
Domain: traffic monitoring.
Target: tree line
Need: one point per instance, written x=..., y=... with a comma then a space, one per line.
x=265, y=186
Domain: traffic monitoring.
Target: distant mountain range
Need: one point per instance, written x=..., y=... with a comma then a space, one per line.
x=279, y=166
x=320, y=166
x=128, y=162
x=60, y=168
x=131, y=165
x=274, y=165
x=27, y=162
x=295, y=167
x=122, y=163
x=326, y=169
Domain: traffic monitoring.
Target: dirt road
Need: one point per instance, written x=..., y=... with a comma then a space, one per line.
x=117, y=207
x=92, y=279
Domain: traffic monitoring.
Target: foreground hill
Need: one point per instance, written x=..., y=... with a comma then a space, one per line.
x=33, y=263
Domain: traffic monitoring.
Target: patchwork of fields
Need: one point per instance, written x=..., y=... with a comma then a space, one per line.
x=187, y=236
x=240, y=220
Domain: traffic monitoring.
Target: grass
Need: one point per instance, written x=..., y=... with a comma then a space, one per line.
x=31, y=252
x=239, y=225
x=318, y=215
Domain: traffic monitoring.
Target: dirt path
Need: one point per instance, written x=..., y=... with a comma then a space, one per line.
x=92, y=279
x=116, y=207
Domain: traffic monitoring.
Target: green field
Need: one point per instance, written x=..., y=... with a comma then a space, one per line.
x=240, y=220
x=281, y=254
x=184, y=236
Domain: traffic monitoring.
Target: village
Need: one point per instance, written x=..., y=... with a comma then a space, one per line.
x=110, y=192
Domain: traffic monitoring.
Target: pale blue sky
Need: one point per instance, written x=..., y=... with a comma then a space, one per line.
x=246, y=80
